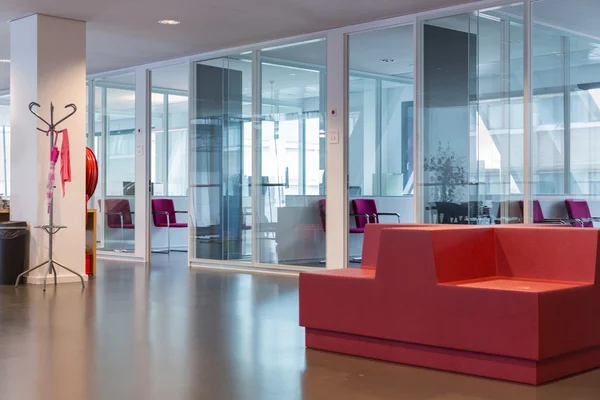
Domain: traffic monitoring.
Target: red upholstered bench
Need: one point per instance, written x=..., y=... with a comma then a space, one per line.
x=514, y=303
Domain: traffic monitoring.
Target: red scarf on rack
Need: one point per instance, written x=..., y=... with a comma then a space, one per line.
x=65, y=160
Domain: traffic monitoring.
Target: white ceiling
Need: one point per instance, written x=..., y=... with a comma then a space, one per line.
x=123, y=33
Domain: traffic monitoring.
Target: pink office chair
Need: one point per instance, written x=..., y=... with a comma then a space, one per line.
x=538, y=214
x=165, y=216
x=118, y=216
x=579, y=212
x=365, y=212
x=323, y=216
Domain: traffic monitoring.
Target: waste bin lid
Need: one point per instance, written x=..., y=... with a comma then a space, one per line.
x=14, y=225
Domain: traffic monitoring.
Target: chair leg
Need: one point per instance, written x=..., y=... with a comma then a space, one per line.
x=168, y=246
x=122, y=241
x=168, y=240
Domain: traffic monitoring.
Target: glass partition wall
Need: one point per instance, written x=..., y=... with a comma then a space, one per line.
x=380, y=131
x=290, y=156
x=472, y=118
x=491, y=118
x=169, y=158
x=114, y=145
x=221, y=160
x=258, y=157
x=5, y=145
x=565, y=122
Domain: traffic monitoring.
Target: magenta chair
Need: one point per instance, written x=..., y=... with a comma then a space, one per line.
x=165, y=216
x=323, y=215
x=119, y=216
x=538, y=214
x=579, y=212
x=365, y=212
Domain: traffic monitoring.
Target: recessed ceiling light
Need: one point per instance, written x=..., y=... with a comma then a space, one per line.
x=5, y=61
x=387, y=60
x=292, y=74
x=169, y=22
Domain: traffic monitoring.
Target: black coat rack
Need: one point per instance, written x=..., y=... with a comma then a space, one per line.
x=51, y=229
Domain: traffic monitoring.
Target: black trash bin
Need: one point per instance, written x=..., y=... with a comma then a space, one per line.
x=14, y=251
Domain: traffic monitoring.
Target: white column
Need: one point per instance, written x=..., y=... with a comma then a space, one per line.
x=337, y=168
x=142, y=164
x=48, y=64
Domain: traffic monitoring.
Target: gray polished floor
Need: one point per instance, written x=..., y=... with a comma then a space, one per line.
x=168, y=333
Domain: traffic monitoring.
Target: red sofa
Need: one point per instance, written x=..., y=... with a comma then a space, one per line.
x=520, y=303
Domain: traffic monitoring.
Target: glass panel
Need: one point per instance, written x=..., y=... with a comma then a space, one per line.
x=472, y=118
x=5, y=145
x=177, y=144
x=115, y=139
x=380, y=127
x=566, y=112
x=291, y=155
x=158, y=170
x=222, y=160
x=169, y=158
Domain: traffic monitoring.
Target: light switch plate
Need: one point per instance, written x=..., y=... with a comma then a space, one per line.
x=334, y=137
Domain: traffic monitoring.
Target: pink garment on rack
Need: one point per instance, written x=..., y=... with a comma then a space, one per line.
x=65, y=160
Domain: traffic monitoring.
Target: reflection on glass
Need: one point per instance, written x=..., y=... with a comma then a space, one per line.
x=222, y=160
x=169, y=158
x=472, y=118
x=380, y=127
x=114, y=145
x=290, y=229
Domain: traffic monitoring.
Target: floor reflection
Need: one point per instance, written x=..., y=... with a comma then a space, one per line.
x=169, y=333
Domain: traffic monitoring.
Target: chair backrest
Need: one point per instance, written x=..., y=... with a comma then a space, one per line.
x=117, y=206
x=452, y=213
x=538, y=214
x=365, y=206
x=577, y=209
x=322, y=213
x=161, y=206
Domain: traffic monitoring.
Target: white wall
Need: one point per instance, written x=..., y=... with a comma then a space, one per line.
x=41, y=73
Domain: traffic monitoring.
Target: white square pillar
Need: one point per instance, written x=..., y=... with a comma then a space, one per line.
x=48, y=64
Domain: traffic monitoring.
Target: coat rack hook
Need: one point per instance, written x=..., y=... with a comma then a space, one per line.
x=74, y=107
x=34, y=104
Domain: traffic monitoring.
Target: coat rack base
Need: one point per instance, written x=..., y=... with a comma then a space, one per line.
x=51, y=230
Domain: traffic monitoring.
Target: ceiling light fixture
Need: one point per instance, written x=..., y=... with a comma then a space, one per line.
x=5, y=61
x=387, y=60
x=169, y=22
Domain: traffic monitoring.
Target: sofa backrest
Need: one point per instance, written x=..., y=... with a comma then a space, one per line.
x=464, y=254
x=430, y=254
x=560, y=254
x=372, y=239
